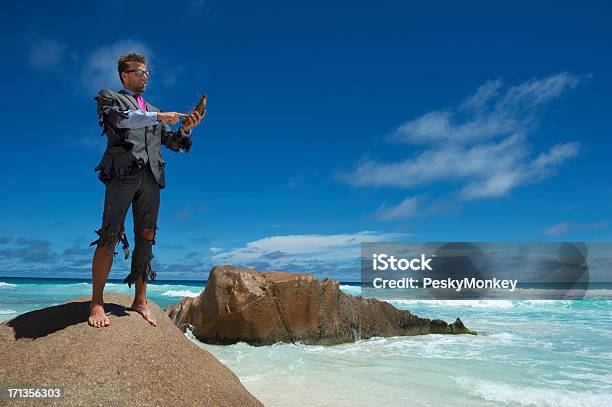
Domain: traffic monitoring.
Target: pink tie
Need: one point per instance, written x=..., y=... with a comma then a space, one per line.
x=141, y=102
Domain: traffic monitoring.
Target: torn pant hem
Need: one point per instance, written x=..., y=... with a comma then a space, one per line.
x=109, y=237
x=145, y=273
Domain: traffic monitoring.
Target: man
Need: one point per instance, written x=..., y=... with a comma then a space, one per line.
x=132, y=169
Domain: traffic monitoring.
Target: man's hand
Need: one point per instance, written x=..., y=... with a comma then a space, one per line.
x=169, y=117
x=192, y=120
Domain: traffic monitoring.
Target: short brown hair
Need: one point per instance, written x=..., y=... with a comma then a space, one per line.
x=123, y=64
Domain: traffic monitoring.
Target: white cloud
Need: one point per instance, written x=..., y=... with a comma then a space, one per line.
x=99, y=67
x=441, y=127
x=516, y=169
x=280, y=251
x=481, y=146
x=538, y=91
x=47, y=55
x=566, y=227
x=408, y=208
x=558, y=229
x=483, y=95
x=486, y=114
x=100, y=70
x=488, y=169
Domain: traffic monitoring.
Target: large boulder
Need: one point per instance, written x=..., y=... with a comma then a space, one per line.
x=129, y=363
x=262, y=308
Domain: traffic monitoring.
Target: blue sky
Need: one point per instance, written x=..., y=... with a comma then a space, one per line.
x=329, y=124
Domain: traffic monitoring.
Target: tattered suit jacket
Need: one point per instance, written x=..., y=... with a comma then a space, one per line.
x=130, y=148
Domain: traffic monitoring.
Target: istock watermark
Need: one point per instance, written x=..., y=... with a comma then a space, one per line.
x=466, y=270
x=382, y=262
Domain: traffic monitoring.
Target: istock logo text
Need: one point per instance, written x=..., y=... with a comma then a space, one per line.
x=382, y=262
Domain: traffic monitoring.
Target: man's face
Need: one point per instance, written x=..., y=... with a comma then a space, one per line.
x=131, y=78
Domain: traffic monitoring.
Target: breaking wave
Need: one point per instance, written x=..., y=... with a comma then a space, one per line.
x=531, y=396
x=180, y=293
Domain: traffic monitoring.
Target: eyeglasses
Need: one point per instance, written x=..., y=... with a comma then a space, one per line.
x=140, y=72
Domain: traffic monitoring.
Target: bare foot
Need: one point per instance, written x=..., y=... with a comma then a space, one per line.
x=143, y=309
x=97, y=316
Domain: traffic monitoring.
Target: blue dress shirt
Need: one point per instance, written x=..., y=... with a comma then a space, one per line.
x=140, y=118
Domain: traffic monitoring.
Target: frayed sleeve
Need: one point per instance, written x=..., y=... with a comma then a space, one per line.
x=109, y=110
x=178, y=140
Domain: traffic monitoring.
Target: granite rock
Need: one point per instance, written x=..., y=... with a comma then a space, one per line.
x=262, y=308
x=129, y=363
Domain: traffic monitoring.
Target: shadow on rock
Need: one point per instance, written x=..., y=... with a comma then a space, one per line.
x=39, y=323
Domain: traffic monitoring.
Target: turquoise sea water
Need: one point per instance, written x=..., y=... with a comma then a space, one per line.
x=527, y=353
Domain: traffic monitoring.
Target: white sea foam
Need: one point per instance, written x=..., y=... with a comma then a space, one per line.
x=180, y=293
x=501, y=337
x=494, y=304
x=189, y=334
x=458, y=303
x=350, y=289
x=150, y=287
x=605, y=378
x=7, y=285
x=7, y=311
x=531, y=396
x=403, y=347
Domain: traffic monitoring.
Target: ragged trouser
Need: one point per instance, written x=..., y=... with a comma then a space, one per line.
x=141, y=190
